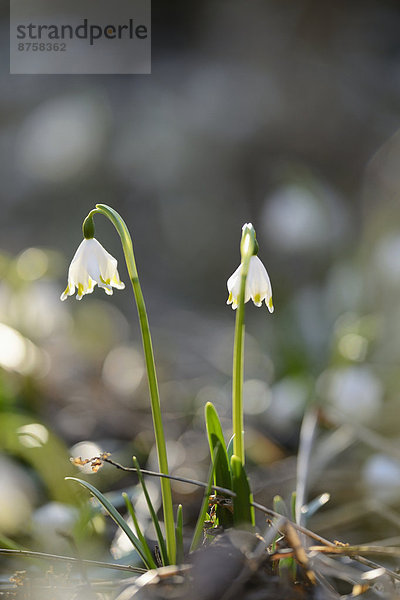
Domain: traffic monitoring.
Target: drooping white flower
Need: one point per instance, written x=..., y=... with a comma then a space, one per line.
x=258, y=285
x=92, y=265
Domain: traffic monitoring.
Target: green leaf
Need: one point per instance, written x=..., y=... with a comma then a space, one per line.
x=287, y=566
x=198, y=532
x=147, y=551
x=243, y=512
x=114, y=514
x=215, y=437
x=219, y=456
x=230, y=449
x=6, y=542
x=161, y=541
x=279, y=506
x=179, y=535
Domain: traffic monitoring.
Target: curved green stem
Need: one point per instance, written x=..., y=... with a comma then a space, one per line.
x=127, y=246
x=247, y=248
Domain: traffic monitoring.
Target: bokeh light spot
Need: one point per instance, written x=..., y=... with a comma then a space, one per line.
x=353, y=346
x=123, y=369
x=32, y=264
x=33, y=435
x=12, y=348
x=256, y=396
x=84, y=450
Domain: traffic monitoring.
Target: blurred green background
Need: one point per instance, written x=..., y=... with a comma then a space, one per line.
x=285, y=114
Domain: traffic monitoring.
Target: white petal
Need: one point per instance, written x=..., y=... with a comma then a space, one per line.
x=116, y=282
x=269, y=305
x=233, y=278
x=233, y=285
x=70, y=289
x=258, y=285
x=92, y=265
x=258, y=280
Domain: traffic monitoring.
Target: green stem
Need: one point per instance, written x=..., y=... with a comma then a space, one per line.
x=127, y=245
x=237, y=386
x=247, y=248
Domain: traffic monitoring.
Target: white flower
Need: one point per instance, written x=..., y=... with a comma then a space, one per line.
x=92, y=264
x=258, y=285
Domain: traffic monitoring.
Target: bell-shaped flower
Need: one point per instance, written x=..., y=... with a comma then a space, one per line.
x=258, y=285
x=92, y=265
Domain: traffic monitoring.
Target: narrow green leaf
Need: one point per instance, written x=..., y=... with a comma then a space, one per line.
x=230, y=449
x=114, y=514
x=287, y=566
x=198, y=532
x=179, y=535
x=6, y=542
x=147, y=551
x=219, y=456
x=243, y=512
x=161, y=541
x=215, y=437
